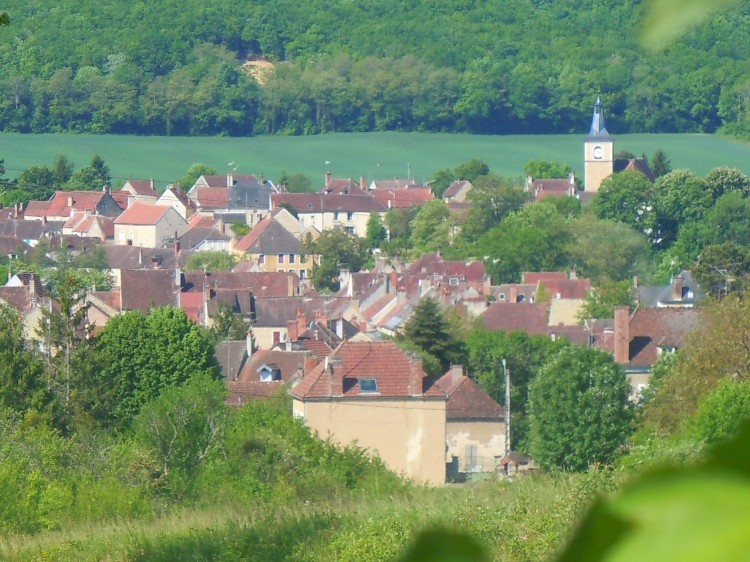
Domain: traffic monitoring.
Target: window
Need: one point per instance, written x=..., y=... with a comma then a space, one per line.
x=303, y=274
x=276, y=337
x=368, y=386
x=349, y=216
x=453, y=281
x=291, y=258
x=281, y=258
x=261, y=259
x=349, y=229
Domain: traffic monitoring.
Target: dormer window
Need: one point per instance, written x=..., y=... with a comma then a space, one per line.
x=368, y=386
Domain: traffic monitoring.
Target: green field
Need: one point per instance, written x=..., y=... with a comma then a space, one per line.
x=373, y=155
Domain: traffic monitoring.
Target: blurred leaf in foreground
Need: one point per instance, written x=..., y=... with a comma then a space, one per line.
x=665, y=20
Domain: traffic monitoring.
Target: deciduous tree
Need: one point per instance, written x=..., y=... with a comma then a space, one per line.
x=579, y=410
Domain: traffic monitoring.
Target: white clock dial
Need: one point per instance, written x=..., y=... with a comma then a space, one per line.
x=598, y=152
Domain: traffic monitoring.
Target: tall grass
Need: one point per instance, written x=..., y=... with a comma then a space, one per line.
x=526, y=520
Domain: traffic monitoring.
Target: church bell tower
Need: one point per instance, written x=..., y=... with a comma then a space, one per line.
x=598, y=151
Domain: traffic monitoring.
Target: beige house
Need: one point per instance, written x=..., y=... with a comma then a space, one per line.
x=474, y=427
x=273, y=248
x=328, y=211
x=174, y=197
x=374, y=395
x=150, y=226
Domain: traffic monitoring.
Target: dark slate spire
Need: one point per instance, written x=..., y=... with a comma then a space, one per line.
x=598, y=130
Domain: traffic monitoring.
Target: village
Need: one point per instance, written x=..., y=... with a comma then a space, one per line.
x=335, y=350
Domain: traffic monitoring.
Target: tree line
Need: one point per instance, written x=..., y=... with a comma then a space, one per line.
x=176, y=69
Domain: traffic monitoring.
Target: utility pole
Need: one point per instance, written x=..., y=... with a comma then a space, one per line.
x=507, y=407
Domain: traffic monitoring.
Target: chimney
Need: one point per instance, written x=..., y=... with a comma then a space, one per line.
x=179, y=279
x=249, y=343
x=622, y=334
x=416, y=375
x=140, y=257
x=155, y=262
x=151, y=183
x=15, y=210
x=290, y=284
x=311, y=361
x=206, y=300
x=513, y=293
x=70, y=201
x=394, y=282
x=362, y=183
x=345, y=281
x=457, y=371
x=363, y=326
x=335, y=369
x=291, y=330
x=301, y=322
x=328, y=178
x=230, y=179
x=176, y=248
x=677, y=285
x=320, y=317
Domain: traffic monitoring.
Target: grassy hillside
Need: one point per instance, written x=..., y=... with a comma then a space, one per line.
x=373, y=155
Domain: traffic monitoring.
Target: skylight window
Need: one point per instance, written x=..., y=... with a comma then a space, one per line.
x=368, y=385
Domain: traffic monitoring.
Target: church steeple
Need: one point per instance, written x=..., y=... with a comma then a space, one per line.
x=598, y=151
x=598, y=130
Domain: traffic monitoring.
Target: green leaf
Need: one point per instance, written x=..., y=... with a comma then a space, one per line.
x=666, y=20
x=441, y=545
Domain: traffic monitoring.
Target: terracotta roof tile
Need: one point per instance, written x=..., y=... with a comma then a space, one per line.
x=140, y=213
x=383, y=361
x=317, y=203
x=466, y=400
x=526, y=317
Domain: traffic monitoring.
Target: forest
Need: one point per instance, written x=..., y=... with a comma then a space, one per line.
x=176, y=68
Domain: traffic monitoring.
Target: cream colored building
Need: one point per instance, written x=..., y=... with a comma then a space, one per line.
x=150, y=226
x=474, y=427
x=598, y=152
x=327, y=211
x=374, y=395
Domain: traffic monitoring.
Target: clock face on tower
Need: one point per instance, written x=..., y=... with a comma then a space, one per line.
x=598, y=152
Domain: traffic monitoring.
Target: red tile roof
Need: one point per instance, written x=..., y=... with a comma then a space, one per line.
x=383, y=361
x=144, y=188
x=455, y=188
x=526, y=317
x=142, y=214
x=63, y=202
x=319, y=203
x=466, y=400
x=404, y=197
x=652, y=328
x=213, y=197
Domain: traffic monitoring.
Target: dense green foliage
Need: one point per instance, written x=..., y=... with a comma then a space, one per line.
x=579, y=410
x=176, y=68
x=430, y=334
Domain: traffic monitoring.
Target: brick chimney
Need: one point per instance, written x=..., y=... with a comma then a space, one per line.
x=249, y=343
x=335, y=369
x=301, y=322
x=394, y=282
x=345, y=281
x=416, y=375
x=513, y=293
x=328, y=178
x=677, y=285
x=362, y=183
x=311, y=361
x=320, y=317
x=622, y=334
x=291, y=330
